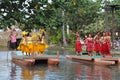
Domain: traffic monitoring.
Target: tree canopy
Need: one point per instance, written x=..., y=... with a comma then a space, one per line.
x=82, y=15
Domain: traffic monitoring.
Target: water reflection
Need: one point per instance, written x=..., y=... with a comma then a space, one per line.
x=94, y=72
x=27, y=74
x=66, y=70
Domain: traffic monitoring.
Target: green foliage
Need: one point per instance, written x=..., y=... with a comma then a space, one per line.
x=71, y=39
x=56, y=37
x=117, y=13
x=77, y=12
x=82, y=15
x=98, y=26
x=52, y=39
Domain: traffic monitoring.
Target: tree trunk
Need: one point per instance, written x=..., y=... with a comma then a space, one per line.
x=113, y=28
x=63, y=32
x=64, y=38
x=67, y=29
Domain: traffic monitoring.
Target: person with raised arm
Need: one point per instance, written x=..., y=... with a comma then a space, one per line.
x=97, y=43
x=105, y=49
x=78, y=45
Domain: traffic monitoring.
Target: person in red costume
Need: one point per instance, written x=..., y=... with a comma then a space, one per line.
x=78, y=46
x=97, y=43
x=90, y=43
x=108, y=41
x=105, y=48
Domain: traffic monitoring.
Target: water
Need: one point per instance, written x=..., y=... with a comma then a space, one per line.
x=66, y=70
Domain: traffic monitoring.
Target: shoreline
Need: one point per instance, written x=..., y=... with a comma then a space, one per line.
x=5, y=48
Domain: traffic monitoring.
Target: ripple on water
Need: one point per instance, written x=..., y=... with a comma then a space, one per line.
x=66, y=70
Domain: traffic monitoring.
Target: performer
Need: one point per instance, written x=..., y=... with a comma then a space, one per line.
x=35, y=42
x=97, y=44
x=30, y=47
x=22, y=44
x=108, y=41
x=78, y=46
x=41, y=46
x=105, y=49
x=90, y=45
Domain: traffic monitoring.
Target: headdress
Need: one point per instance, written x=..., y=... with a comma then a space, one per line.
x=42, y=30
x=108, y=33
x=24, y=33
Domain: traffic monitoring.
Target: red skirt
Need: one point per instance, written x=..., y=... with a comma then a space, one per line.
x=89, y=46
x=105, y=50
x=97, y=46
x=78, y=46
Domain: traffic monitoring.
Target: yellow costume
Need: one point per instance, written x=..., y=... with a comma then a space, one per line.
x=30, y=48
x=33, y=44
x=23, y=44
x=41, y=47
x=36, y=42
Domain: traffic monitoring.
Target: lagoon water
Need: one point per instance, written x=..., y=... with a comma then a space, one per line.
x=66, y=70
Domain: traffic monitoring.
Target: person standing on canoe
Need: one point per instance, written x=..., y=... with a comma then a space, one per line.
x=105, y=49
x=78, y=45
x=97, y=44
x=108, y=42
x=41, y=42
x=22, y=46
x=90, y=43
x=30, y=46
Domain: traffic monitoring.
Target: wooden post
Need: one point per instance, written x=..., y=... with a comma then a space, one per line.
x=106, y=16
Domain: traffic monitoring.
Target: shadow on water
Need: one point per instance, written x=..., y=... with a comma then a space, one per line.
x=40, y=62
x=66, y=70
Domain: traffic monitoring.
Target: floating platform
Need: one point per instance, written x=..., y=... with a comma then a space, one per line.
x=23, y=62
x=28, y=61
x=98, y=60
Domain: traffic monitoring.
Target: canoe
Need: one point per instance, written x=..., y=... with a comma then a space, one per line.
x=94, y=59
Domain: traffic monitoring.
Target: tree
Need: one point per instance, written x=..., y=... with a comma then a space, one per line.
x=78, y=14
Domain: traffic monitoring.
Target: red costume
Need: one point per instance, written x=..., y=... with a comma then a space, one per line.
x=78, y=46
x=105, y=46
x=89, y=44
x=108, y=41
x=105, y=49
x=97, y=43
x=97, y=46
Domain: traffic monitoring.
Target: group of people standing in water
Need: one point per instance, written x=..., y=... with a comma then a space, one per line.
x=100, y=44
